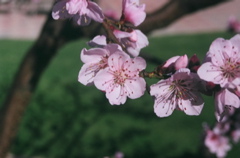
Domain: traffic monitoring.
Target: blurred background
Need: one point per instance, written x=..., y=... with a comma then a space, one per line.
x=23, y=20
x=68, y=120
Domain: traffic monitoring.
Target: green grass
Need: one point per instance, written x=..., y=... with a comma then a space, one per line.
x=68, y=120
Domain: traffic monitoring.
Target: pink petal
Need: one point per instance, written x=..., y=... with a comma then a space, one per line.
x=95, y=12
x=82, y=20
x=209, y=72
x=235, y=42
x=135, y=88
x=85, y=75
x=136, y=42
x=103, y=79
x=116, y=95
x=121, y=34
x=181, y=62
x=136, y=65
x=59, y=11
x=224, y=101
x=159, y=89
x=169, y=63
x=133, y=51
x=190, y=109
x=142, y=40
x=163, y=105
x=164, y=108
x=230, y=98
x=133, y=12
x=116, y=60
x=217, y=48
x=114, y=48
x=76, y=6
x=93, y=55
x=98, y=41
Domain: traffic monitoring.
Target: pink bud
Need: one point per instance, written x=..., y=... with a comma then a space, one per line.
x=170, y=61
x=181, y=62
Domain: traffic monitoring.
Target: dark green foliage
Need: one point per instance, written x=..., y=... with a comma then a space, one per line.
x=68, y=120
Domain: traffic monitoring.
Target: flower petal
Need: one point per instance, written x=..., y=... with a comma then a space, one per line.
x=98, y=41
x=82, y=20
x=164, y=108
x=224, y=102
x=93, y=55
x=59, y=11
x=116, y=61
x=121, y=34
x=135, y=88
x=209, y=72
x=216, y=50
x=116, y=95
x=95, y=12
x=189, y=108
x=135, y=65
x=235, y=42
x=86, y=74
x=133, y=12
x=103, y=79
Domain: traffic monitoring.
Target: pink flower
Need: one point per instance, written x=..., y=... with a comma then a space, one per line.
x=82, y=11
x=133, y=41
x=94, y=60
x=217, y=144
x=121, y=79
x=133, y=12
x=225, y=101
x=222, y=64
x=180, y=91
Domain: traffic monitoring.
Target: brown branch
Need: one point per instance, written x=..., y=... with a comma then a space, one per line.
x=54, y=35
x=172, y=11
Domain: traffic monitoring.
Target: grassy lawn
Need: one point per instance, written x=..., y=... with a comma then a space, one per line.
x=68, y=120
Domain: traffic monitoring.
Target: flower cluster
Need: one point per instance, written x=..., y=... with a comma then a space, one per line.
x=113, y=65
x=109, y=67
x=218, y=140
x=82, y=11
x=222, y=68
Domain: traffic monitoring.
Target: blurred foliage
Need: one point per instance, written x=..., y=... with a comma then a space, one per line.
x=68, y=120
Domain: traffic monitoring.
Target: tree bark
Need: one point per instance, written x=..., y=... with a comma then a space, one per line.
x=54, y=35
